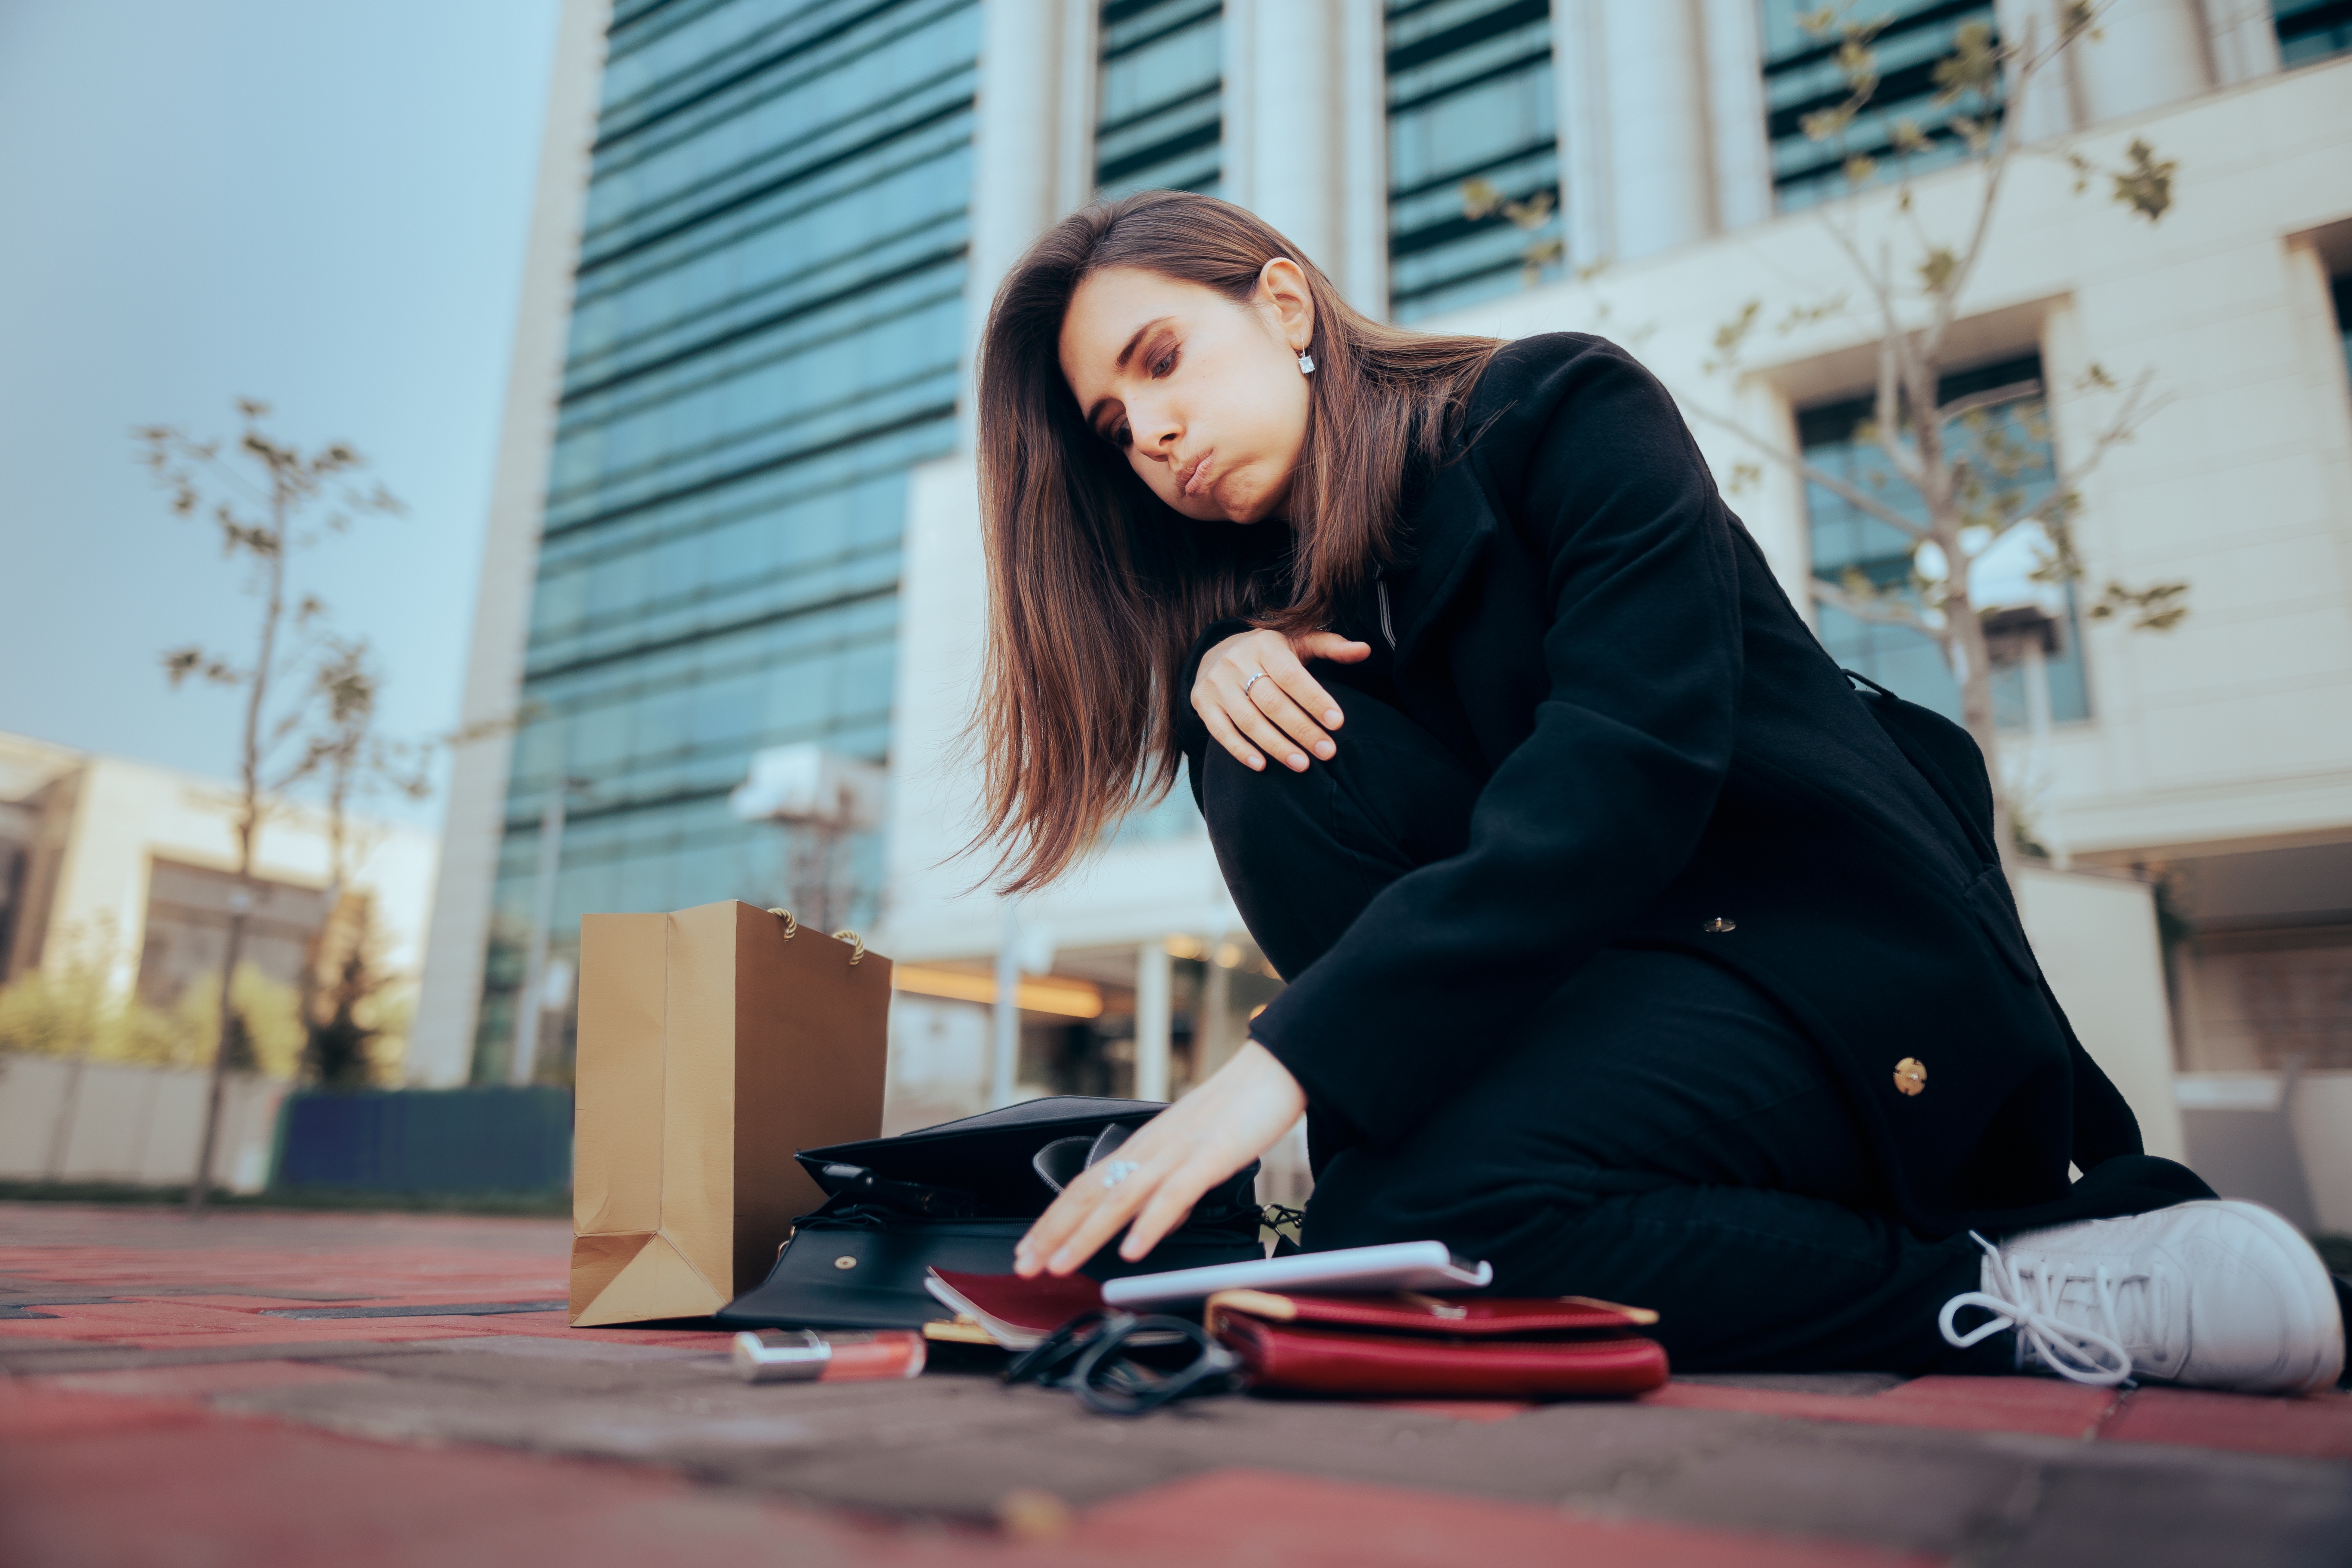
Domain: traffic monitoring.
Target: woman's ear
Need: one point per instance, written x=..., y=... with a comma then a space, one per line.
x=1282, y=292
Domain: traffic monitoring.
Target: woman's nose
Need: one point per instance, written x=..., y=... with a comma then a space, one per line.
x=1157, y=435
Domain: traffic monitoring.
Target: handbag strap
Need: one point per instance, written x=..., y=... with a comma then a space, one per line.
x=857, y=942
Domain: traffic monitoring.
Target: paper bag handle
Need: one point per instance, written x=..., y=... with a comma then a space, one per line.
x=792, y=928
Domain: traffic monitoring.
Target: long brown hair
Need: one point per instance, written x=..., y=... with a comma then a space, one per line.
x=1097, y=588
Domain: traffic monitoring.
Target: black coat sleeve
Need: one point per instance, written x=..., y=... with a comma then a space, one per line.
x=1596, y=810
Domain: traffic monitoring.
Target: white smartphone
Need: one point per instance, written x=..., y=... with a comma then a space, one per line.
x=1353, y=1270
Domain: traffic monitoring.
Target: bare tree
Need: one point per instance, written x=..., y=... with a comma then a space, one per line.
x=267, y=498
x=341, y=972
x=354, y=759
x=1970, y=462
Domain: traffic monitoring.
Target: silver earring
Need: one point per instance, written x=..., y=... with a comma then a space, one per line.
x=1306, y=363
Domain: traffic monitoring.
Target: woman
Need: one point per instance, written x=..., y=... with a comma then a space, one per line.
x=1629, y=947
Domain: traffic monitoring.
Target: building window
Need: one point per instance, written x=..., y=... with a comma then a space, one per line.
x=1472, y=130
x=1802, y=77
x=2312, y=30
x=189, y=911
x=1160, y=121
x=2342, y=290
x=19, y=829
x=1846, y=540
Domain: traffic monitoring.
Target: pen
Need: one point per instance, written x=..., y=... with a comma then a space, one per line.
x=803, y=1355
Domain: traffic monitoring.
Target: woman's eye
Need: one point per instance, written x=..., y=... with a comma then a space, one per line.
x=1165, y=362
x=1123, y=437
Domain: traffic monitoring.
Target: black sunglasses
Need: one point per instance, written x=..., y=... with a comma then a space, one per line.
x=1118, y=1363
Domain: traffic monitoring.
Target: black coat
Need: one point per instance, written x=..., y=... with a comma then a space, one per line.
x=1671, y=759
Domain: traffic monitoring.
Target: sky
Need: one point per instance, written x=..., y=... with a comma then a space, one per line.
x=322, y=207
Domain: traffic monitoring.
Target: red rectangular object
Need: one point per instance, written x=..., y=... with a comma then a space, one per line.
x=1036, y=1306
x=1456, y=1317
x=1425, y=1347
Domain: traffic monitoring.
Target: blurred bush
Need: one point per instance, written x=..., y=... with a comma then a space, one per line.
x=74, y=1013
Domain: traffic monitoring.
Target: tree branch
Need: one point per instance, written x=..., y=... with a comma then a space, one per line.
x=1991, y=399
x=2128, y=419
x=210, y=460
x=1877, y=609
x=1850, y=494
x=1892, y=345
x=2138, y=409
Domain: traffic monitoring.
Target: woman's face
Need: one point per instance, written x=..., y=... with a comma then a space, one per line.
x=1202, y=395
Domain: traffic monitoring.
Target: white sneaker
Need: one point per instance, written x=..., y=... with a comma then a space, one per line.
x=2211, y=1294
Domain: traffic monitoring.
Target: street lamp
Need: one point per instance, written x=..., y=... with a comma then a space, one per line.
x=531, y=1003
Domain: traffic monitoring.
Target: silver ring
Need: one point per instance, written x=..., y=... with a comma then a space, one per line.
x=1117, y=1170
x=1253, y=681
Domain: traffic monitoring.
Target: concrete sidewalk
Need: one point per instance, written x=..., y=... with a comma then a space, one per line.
x=259, y=1388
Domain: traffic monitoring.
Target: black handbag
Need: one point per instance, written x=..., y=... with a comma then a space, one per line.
x=957, y=1197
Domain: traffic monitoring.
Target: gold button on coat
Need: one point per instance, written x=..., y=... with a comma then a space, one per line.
x=1910, y=1075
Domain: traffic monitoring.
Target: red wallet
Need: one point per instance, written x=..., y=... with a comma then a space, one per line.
x=1434, y=1347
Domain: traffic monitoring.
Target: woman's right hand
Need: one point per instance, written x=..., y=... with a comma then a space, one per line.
x=1281, y=713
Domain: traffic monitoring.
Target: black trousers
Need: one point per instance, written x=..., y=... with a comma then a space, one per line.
x=1659, y=1133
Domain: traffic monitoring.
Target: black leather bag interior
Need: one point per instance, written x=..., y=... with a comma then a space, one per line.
x=957, y=1197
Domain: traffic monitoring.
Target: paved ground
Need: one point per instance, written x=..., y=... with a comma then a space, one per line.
x=161, y=1406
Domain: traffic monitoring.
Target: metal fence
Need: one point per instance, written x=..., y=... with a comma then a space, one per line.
x=450, y=1140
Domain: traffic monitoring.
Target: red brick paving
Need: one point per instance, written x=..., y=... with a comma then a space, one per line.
x=215, y=1488
x=132, y=1464
x=2049, y=1409
x=2316, y=1425
x=87, y=1479
x=32, y=1415
x=197, y=1381
x=1260, y=1517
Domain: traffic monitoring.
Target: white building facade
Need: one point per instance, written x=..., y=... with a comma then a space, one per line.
x=2212, y=762
x=2194, y=787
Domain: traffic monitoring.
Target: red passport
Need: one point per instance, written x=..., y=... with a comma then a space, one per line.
x=1415, y=1346
x=1016, y=1312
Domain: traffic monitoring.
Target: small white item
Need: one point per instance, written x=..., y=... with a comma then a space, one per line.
x=803, y=1355
x=800, y=1357
x=1114, y=1172
x=1363, y=1270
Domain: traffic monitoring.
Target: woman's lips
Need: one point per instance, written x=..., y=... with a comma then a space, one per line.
x=1197, y=481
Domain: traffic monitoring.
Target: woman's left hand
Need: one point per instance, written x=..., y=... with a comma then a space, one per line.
x=1238, y=1113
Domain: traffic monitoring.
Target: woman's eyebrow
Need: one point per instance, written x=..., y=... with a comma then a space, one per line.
x=1128, y=353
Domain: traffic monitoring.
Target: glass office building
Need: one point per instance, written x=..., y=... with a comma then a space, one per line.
x=764, y=338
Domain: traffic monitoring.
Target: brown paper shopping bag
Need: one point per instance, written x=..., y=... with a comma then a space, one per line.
x=714, y=1043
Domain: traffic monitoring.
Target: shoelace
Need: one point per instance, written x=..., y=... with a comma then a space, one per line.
x=2072, y=1350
